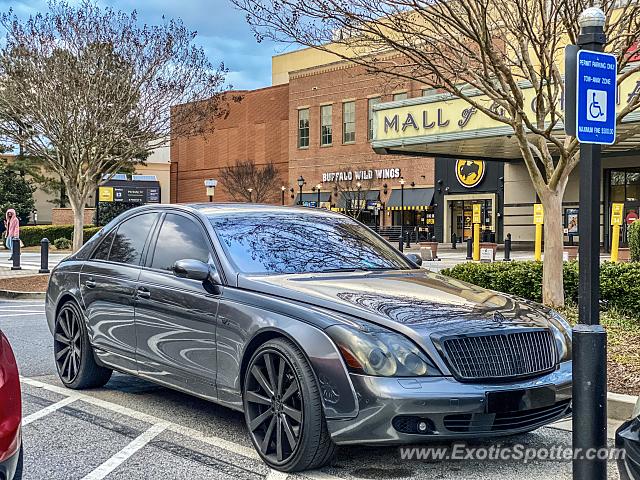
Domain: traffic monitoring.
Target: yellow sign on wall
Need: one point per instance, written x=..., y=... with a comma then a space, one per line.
x=538, y=214
x=477, y=213
x=617, y=209
x=105, y=194
x=470, y=172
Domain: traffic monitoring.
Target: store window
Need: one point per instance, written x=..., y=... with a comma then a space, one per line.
x=400, y=96
x=303, y=128
x=326, y=128
x=625, y=186
x=349, y=122
x=372, y=102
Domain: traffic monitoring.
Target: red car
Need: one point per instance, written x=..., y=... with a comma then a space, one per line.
x=10, y=414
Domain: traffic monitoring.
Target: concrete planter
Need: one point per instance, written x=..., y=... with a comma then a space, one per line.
x=429, y=250
x=572, y=252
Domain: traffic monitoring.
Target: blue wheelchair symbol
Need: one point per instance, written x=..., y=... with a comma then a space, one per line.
x=594, y=107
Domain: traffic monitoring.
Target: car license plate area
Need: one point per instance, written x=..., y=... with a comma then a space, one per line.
x=516, y=400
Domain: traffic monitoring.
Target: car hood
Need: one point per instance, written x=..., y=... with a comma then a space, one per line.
x=417, y=303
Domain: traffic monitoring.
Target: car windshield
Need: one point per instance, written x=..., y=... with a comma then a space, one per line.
x=271, y=242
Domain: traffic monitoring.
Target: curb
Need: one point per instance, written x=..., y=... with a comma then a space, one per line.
x=620, y=406
x=10, y=294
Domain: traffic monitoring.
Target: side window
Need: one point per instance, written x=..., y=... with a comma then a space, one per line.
x=130, y=238
x=102, y=252
x=179, y=238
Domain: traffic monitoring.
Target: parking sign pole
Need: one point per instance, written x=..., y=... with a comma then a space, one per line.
x=589, y=338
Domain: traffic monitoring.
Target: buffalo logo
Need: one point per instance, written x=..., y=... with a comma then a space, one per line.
x=499, y=318
x=470, y=172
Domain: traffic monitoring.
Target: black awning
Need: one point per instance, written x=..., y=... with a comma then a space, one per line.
x=346, y=199
x=414, y=199
x=312, y=198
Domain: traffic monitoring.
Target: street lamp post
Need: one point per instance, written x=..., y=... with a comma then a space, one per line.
x=318, y=189
x=300, y=184
x=358, y=210
x=283, y=190
x=250, y=190
x=401, y=244
x=589, y=338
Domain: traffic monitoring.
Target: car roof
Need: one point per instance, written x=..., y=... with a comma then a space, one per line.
x=237, y=208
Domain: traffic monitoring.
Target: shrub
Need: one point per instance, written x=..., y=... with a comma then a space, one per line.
x=62, y=243
x=32, y=235
x=619, y=282
x=634, y=241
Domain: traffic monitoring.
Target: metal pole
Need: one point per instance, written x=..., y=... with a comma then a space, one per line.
x=282, y=197
x=401, y=246
x=318, y=203
x=300, y=199
x=469, y=248
x=589, y=338
x=15, y=242
x=44, y=256
x=507, y=248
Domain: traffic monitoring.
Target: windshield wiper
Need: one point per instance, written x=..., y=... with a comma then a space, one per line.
x=354, y=269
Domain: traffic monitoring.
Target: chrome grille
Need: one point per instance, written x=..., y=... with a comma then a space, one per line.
x=514, y=354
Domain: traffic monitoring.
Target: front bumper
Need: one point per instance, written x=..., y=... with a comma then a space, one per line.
x=628, y=438
x=391, y=408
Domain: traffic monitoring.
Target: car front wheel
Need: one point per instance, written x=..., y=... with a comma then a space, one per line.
x=75, y=362
x=283, y=409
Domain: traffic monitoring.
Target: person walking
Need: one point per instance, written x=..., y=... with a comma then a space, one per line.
x=12, y=225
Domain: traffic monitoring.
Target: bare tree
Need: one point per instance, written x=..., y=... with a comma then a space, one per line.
x=87, y=90
x=497, y=48
x=354, y=195
x=237, y=179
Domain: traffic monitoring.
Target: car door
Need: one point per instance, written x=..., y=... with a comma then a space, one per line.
x=108, y=285
x=176, y=317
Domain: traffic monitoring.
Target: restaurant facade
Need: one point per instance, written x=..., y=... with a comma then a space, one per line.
x=385, y=151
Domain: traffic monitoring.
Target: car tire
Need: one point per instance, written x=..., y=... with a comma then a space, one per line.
x=17, y=475
x=276, y=369
x=73, y=353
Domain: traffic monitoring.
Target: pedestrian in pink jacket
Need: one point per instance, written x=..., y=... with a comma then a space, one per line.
x=12, y=224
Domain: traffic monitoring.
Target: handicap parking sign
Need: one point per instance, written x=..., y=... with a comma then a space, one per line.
x=596, y=97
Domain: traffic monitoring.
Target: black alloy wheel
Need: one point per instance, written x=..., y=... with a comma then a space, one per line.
x=283, y=410
x=68, y=344
x=74, y=357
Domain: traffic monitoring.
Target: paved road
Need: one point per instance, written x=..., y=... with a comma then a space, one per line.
x=132, y=429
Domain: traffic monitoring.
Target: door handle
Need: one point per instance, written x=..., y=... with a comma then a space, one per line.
x=89, y=284
x=143, y=293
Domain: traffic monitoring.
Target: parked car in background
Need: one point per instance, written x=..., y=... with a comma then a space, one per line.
x=628, y=438
x=308, y=322
x=10, y=414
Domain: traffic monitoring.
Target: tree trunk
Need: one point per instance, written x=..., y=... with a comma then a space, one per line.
x=77, y=205
x=552, y=285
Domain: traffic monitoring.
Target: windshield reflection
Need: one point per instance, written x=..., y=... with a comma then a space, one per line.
x=294, y=242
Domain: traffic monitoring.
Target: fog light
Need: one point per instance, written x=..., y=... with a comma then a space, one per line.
x=422, y=427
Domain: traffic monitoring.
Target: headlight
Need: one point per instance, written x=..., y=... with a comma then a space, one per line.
x=375, y=351
x=562, y=333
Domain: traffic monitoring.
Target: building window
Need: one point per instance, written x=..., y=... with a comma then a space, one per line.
x=428, y=91
x=303, y=128
x=348, y=122
x=400, y=96
x=372, y=102
x=326, y=127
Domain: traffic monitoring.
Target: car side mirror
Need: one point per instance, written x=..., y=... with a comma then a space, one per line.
x=414, y=258
x=196, y=270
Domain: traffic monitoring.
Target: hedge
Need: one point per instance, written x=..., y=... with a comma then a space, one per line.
x=619, y=282
x=634, y=241
x=33, y=234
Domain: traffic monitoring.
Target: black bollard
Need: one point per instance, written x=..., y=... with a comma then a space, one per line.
x=454, y=241
x=469, y=249
x=571, y=239
x=507, y=248
x=408, y=239
x=16, y=254
x=44, y=256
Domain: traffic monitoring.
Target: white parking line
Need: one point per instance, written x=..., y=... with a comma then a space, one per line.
x=174, y=427
x=119, y=458
x=276, y=475
x=7, y=314
x=47, y=410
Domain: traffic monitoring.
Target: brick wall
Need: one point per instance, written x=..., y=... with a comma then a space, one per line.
x=64, y=216
x=256, y=129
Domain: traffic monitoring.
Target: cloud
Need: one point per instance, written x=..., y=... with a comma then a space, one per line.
x=222, y=32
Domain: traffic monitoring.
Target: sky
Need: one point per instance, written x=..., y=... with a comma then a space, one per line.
x=222, y=32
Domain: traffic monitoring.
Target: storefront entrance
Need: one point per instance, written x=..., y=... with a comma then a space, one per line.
x=624, y=187
x=460, y=212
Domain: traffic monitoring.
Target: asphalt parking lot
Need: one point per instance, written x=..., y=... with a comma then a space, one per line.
x=133, y=429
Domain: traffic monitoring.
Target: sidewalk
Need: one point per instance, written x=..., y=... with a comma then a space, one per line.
x=29, y=261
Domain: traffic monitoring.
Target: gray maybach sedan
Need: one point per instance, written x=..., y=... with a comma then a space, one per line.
x=308, y=322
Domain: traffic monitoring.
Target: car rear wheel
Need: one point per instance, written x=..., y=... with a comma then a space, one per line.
x=283, y=409
x=75, y=361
